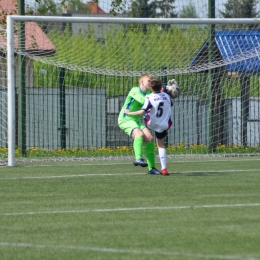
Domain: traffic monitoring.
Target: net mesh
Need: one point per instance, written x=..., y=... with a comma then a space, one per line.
x=76, y=76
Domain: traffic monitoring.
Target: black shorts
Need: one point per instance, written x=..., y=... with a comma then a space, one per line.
x=161, y=135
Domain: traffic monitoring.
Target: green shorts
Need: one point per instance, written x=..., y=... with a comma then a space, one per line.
x=129, y=125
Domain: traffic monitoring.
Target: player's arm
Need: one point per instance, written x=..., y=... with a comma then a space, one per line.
x=146, y=107
x=135, y=113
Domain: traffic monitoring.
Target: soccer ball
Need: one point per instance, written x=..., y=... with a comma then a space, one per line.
x=172, y=89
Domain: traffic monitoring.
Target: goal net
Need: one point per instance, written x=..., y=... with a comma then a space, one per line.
x=68, y=77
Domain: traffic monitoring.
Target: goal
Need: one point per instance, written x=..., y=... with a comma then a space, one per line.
x=67, y=79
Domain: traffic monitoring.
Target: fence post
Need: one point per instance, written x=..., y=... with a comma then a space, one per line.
x=62, y=108
x=211, y=58
x=245, y=97
x=21, y=85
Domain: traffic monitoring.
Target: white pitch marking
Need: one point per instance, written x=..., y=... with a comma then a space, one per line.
x=78, y=164
x=132, y=251
x=72, y=176
x=132, y=209
x=119, y=174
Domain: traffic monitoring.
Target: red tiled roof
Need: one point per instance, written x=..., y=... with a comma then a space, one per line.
x=36, y=40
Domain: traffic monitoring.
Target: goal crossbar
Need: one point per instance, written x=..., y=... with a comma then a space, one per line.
x=20, y=18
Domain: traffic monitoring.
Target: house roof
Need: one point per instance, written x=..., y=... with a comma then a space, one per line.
x=94, y=8
x=233, y=45
x=36, y=41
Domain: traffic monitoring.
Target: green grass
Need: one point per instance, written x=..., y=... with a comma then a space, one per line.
x=206, y=209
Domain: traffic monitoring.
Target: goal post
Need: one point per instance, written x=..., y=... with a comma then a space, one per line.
x=80, y=69
x=10, y=92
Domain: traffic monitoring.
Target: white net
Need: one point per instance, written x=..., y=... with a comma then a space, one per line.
x=76, y=76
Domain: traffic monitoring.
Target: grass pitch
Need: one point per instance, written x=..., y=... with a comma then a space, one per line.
x=206, y=209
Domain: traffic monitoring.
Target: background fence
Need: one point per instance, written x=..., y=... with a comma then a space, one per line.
x=91, y=119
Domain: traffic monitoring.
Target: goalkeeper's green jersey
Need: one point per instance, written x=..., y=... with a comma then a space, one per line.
x=134, y=102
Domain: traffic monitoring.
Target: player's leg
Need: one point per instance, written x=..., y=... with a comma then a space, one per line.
x=132, y=129
x=138, y=137
x=149, y=151
x=162, y=151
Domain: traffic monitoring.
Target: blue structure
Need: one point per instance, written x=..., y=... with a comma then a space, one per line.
x=232, y=45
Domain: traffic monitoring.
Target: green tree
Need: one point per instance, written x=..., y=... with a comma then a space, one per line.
x=143, y=9
x=40, y=7
x=117, y=6
x=189, y=11
x=153, y=9
x=166, y=8
x=249, y=8
x=240, y=9
x=46, y=7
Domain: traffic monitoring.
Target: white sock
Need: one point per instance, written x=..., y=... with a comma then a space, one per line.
x=162, y=155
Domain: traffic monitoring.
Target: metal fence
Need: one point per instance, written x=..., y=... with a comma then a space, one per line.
x=91, y=120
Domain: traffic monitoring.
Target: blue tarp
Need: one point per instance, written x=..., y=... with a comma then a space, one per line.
x=233, y=45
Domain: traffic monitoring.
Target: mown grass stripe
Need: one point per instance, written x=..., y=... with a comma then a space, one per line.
x=132, y=251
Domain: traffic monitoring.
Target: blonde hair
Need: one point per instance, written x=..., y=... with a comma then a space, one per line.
x=144, y=76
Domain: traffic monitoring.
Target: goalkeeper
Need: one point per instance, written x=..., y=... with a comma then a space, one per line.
x=133, y=127
x=157, y=107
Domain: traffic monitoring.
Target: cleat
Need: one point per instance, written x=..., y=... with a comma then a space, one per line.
x=154, y=171
x=140, y=162
x=165, y=172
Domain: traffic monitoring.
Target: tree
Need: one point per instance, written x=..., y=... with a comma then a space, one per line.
x=50, y=7
x=46, y=7
x=189, y=11
x=143, y=9
x=249, y=8
x=166, y=8
x=117, y=6
x=153, y=9
x=240, y=9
